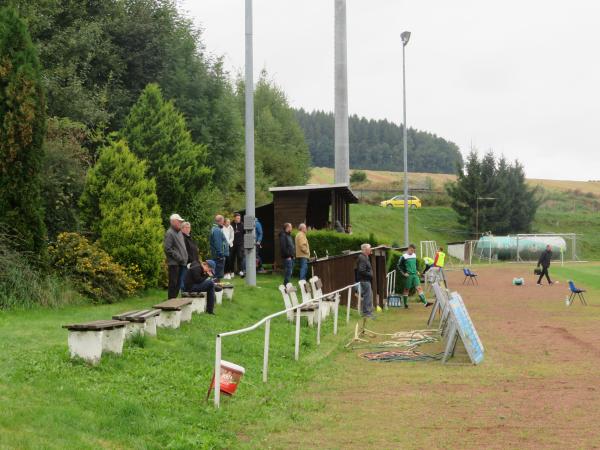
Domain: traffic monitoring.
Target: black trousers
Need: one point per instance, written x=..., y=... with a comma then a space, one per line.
x=544, y=273
x=236, y=253
x=173, y=289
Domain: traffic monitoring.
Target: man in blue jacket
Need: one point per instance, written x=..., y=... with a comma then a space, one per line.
x=219, y=247
x=259, y=237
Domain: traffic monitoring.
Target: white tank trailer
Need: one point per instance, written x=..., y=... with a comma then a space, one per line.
x=527, y=248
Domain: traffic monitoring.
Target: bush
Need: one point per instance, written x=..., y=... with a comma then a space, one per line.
x=24, y=285
x=325, y=242
x=91, y=270
x=358, y=176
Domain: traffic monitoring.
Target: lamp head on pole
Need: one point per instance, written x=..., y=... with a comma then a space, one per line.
x=405, y=37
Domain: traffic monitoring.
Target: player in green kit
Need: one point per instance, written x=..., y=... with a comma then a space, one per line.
x=407, y=266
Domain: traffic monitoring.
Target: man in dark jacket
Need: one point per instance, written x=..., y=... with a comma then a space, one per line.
x=364, y=274
x=191, y=248
x=544, y=261
x=219, y=247
x=237, y=256
x=177, y=257
x=198, y=279
x=288, y=251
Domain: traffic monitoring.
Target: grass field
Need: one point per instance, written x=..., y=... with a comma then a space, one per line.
x=441, y=224
x=153, y=397
x=387, y=180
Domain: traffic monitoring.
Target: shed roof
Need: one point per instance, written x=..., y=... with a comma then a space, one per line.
x=342, y=187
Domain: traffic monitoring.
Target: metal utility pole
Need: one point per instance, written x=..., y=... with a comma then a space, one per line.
x=405, y=38
x=342, y=145
x=250, y=250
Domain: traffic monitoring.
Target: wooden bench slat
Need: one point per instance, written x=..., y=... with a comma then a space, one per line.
x=175, y=304
x=96, y=325
x=140, y=315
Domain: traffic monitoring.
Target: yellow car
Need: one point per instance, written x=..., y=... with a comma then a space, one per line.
x=398, y=202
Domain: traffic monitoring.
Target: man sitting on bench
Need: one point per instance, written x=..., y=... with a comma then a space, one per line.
x=198, y=278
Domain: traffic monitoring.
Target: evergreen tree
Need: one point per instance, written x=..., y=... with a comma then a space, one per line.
x=514, y=203
x=22, y=129
x=120, y=205
x=156, y=132
x=279, y=140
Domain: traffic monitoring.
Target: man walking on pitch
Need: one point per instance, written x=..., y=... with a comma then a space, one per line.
x=407, y=266
x=544, y=261
x=364, y=274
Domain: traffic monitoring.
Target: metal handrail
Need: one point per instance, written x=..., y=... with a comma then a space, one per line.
x=267, y=322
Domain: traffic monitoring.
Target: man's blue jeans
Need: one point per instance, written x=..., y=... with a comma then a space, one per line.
x=367, y=299
x=220, y=267
x=303, y=267
x=288, y=267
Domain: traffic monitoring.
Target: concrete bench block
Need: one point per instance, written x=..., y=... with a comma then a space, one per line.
x=199, y=304
x=150, y=328
x=219, y=297
x=112, y=340
x=86, y=345
x=228, y=291
x=186, y=313
x=169, y=319
x=133, y=328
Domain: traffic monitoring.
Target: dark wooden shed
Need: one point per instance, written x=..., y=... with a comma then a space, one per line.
x=337, y=272
x=319, y=206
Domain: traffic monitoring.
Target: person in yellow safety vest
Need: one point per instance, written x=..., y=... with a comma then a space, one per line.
x=440, y=258
x=439, y=262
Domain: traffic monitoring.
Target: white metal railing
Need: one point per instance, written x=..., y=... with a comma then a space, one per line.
x=267, y=322
x=391, y=282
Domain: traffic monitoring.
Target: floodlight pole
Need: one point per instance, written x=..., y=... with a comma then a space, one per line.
x=250, y=193
x=405, y=38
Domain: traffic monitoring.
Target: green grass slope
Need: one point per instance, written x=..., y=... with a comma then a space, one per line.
x=152, y=397
x=440, y=224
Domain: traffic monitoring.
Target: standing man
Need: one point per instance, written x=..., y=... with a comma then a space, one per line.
x=287, y=250
x=407, y=266
x=302, y=250
x=439, y=262
x=544, y=261
x=229, y=236
x=237, y=256
x=192, y=251
x=177, y=257
x=219, y=247
x=364, y=274
x=259, y=237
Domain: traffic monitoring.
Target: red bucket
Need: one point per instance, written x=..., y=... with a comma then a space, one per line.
x=231, y=374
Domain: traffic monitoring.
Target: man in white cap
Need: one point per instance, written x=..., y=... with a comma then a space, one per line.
x=177, y=257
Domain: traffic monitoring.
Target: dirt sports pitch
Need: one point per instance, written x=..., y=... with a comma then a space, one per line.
x=539, y=386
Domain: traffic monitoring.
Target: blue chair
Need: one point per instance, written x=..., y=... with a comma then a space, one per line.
x=470, y=276
x=575, y=292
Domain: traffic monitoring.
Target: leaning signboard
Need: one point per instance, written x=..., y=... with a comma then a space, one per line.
x=461, y=327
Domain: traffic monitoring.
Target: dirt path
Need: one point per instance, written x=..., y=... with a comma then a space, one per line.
x=537, y=388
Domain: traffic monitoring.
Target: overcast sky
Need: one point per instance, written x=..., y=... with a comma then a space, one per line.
x=519, y=77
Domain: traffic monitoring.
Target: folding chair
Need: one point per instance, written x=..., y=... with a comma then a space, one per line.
x=307, y=295
x=329, y=302
x=470, y=276
x=307, y=311
x=576, y=292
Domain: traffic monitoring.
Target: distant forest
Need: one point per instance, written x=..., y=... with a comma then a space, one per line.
x=377, y=145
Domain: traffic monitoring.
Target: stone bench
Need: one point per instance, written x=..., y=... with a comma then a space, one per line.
x=89, y=339
x=173, y=312
x=142, y=321
x=228, y=290
x=198, y=301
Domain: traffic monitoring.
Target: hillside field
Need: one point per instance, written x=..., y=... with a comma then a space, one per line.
x=441, y=224
x=389, y=180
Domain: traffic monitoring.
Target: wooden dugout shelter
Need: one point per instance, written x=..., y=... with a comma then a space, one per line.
x=319, y=206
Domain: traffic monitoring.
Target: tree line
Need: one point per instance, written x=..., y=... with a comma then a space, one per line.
x=113, y=115
x=378, y=144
